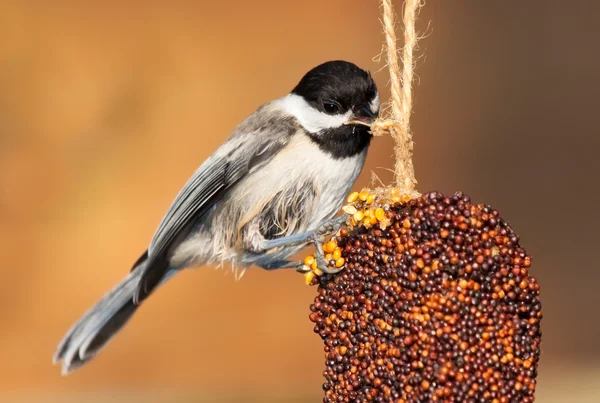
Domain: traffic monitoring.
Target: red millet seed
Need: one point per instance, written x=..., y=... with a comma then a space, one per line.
x=439, y=306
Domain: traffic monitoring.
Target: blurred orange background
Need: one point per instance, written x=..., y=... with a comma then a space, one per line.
x=107, y=108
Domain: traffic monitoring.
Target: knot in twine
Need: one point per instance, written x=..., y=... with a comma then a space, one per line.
x=397, y=121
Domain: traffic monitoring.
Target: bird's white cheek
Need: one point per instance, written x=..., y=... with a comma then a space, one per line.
x=375, y=104
x=311, y=119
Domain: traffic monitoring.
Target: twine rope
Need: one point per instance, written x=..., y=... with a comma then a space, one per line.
x=397, y=123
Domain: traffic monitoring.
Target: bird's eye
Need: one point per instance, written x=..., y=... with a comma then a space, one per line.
x=331, y=107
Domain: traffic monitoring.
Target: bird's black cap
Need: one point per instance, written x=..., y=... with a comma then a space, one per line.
x=339, y=81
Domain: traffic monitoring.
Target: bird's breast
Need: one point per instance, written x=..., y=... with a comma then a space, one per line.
x=313, y=184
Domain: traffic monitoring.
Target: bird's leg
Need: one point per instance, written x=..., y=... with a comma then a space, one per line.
x=317, y=237
x=283, y=264
x=325, y=228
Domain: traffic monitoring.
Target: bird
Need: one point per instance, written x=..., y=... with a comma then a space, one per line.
x=272, y=188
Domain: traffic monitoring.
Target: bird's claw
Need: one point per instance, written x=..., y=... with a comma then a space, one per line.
x=331, y=270
x=318, y=265
x=322, y=264
x=302, y=268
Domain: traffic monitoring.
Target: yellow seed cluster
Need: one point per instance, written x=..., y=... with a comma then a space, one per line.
x=364, y=208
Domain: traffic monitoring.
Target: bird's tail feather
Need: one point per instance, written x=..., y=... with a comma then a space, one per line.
x=101, y=323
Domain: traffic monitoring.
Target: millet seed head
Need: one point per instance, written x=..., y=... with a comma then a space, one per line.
x=435, y=304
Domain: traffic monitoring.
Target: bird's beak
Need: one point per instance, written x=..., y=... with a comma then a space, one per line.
x=362, y=116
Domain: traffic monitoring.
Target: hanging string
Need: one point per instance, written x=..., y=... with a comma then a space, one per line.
x=397, y=123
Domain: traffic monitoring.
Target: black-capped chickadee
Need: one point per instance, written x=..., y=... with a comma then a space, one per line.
x=273, y=187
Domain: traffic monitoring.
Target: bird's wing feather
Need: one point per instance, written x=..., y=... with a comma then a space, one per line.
x=200, y=192
x=251, y=145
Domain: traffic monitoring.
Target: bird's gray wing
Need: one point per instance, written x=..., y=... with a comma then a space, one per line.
x=252, y=145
